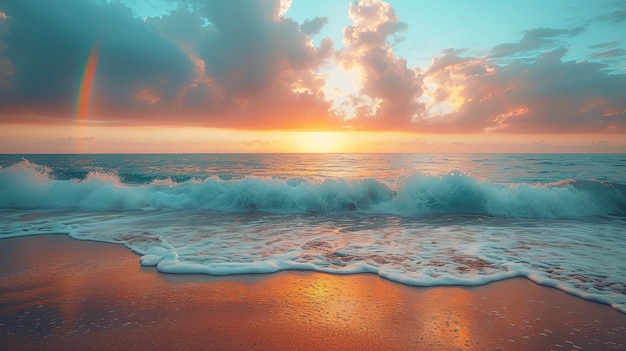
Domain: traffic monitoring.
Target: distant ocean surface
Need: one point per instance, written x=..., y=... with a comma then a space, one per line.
x=417, y=219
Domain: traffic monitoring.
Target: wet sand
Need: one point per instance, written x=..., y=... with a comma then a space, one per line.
x=57, y=293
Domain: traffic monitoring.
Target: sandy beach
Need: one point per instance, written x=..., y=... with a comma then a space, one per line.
x=57, y=293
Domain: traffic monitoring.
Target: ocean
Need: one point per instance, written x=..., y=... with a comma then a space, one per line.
x=416, y=219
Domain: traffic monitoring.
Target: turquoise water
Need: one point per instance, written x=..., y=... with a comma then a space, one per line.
x=417, y=219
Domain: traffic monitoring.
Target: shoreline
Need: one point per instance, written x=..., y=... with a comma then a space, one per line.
x=60, y=293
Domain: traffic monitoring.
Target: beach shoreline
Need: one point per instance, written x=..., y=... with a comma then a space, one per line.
x=60, y=293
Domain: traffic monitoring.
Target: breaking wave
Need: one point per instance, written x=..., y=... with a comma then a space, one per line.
x=31, y=186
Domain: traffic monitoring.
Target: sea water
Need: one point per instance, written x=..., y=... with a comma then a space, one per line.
x=416, y=219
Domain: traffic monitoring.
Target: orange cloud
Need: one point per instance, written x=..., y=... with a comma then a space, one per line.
x=388, y=88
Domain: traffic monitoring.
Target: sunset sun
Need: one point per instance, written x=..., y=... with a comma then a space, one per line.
x=320, y=142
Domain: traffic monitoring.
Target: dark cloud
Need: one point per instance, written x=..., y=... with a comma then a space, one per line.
x=259, y=70
x=48, y=42
x=605, y=45
x=615, y=16
x=609, y=53
x=312, y=27
x=534, y=39
x=214, y=63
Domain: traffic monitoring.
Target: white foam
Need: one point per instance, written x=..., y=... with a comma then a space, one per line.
x=582, y=257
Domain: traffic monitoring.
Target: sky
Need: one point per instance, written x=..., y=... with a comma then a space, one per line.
x=137, y=76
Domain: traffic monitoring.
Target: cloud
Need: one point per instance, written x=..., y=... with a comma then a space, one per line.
x=609, y=53
x=227, y=64
x=601, y=142
x=416, y=142
x=260, y=72
x=615, y=17
x=605, y=45
x=503, y=91
x=389, y=88
x=48, y=42
x=6, y=67
x=312, y=27
x=258, y=142
x=74, y=140
x=544, y=95
x=245, y=65
x=534, y=39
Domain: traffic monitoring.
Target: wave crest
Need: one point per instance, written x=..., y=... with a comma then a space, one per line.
x=28, y=185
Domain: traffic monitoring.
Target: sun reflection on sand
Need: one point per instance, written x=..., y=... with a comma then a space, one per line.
x=56, y=292
x=453, y=322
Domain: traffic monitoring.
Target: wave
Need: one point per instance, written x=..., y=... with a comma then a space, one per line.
x=32, y=186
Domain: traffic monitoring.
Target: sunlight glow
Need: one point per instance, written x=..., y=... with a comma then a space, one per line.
x=90, y=137
x=320, y=142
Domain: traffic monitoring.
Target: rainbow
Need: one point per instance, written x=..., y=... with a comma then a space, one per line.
x=86, y=84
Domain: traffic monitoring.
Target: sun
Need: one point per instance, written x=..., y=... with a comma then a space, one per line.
x=319, y=142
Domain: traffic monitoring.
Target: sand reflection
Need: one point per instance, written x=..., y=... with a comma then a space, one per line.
x=56, y=292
